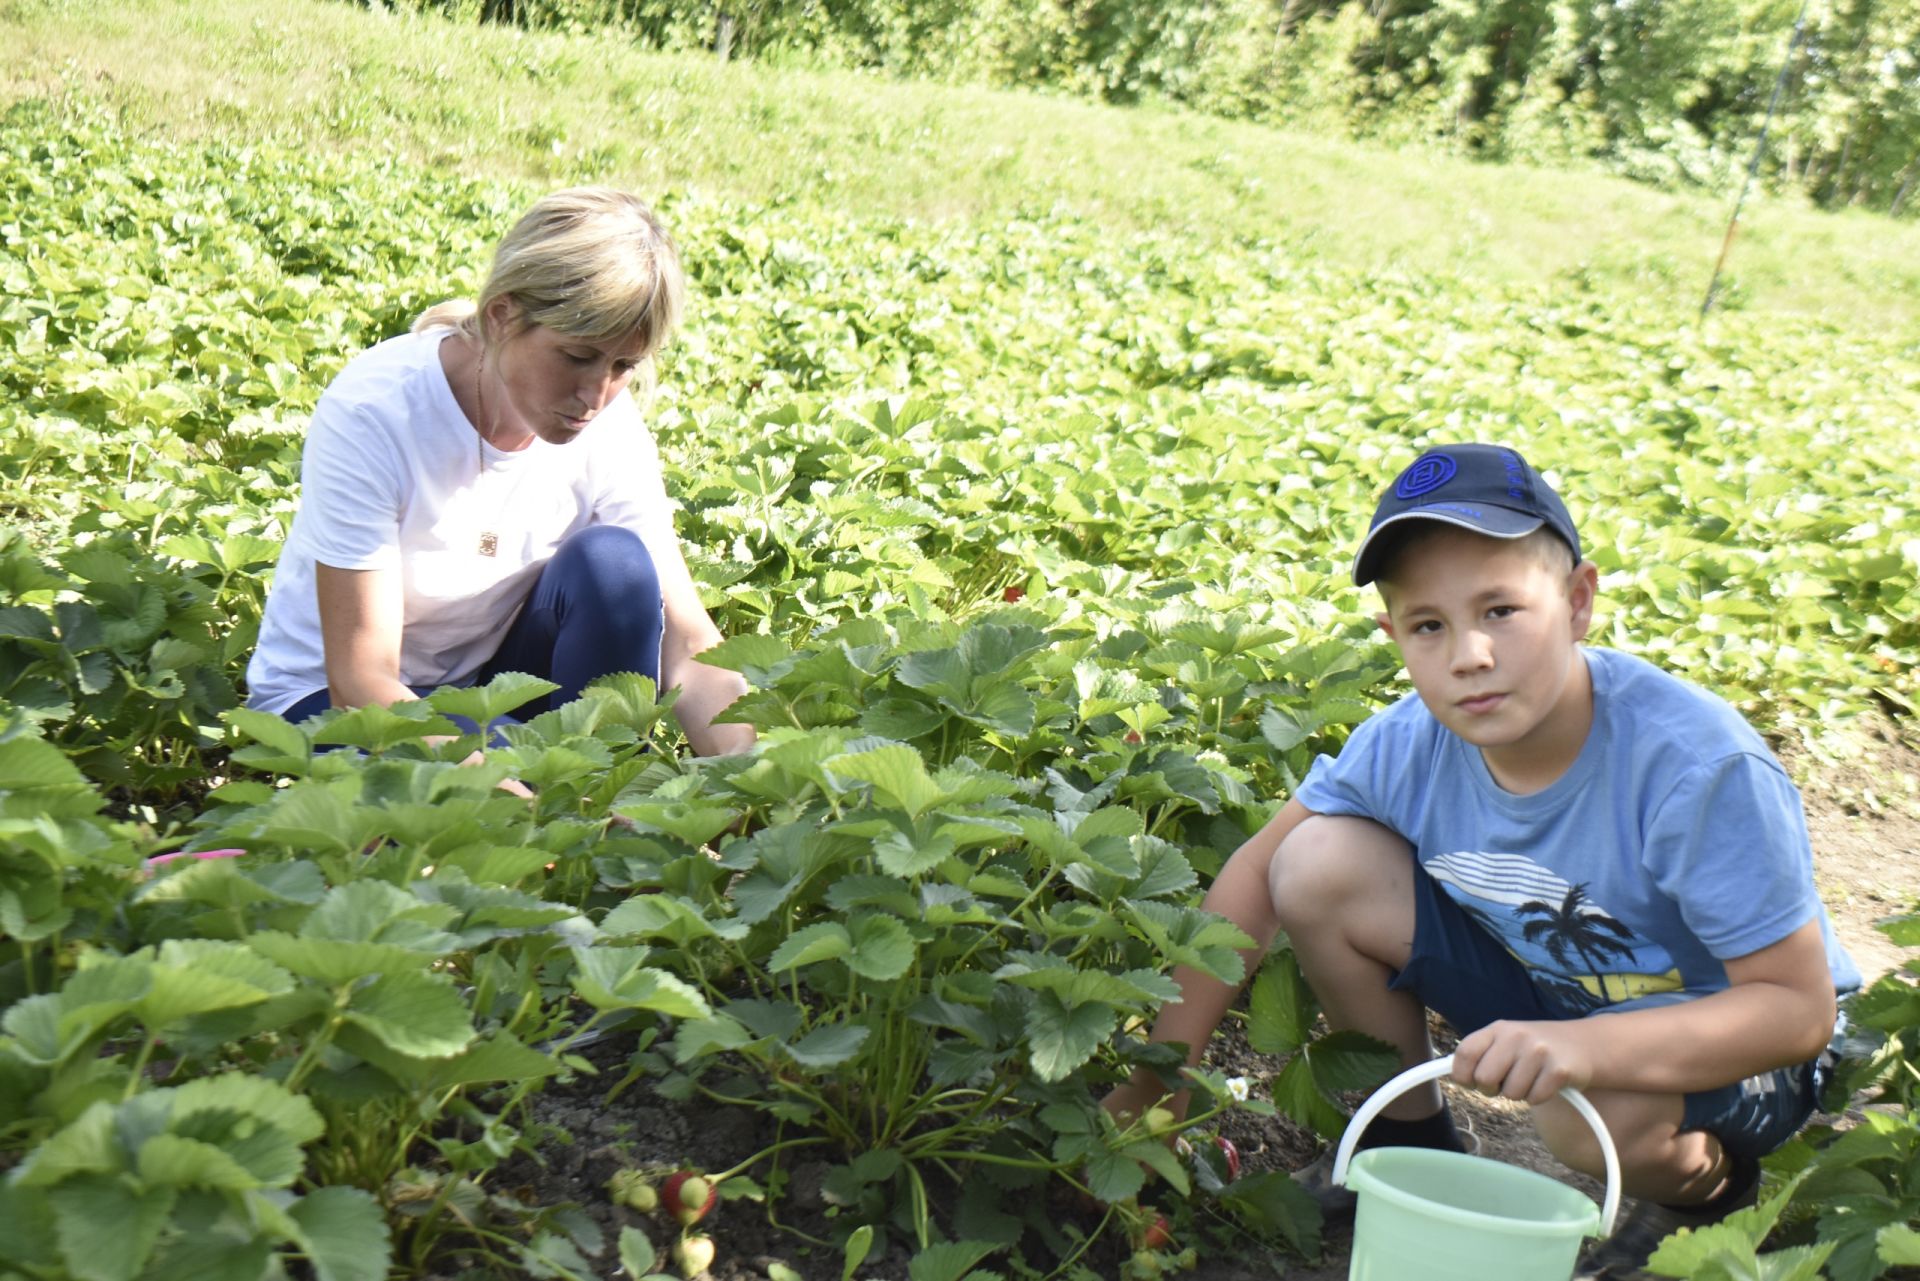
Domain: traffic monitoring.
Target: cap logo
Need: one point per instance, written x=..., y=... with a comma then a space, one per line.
x=1427, y=474
x=1516, y=476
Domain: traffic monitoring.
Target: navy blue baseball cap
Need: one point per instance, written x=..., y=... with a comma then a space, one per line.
x=1488, y=489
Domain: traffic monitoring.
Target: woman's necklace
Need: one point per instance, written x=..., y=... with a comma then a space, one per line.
x=489, y=538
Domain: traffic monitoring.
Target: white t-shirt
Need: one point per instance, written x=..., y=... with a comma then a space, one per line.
x=393, y=477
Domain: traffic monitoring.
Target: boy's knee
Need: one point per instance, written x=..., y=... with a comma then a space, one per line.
x=1571, y=1140
x=1327, y=860
x=1646, y=1135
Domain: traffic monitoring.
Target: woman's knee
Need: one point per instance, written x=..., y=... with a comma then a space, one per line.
x=610, y=562
x=1328, y=862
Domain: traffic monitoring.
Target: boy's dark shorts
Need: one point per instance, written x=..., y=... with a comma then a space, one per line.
x=1460, y=971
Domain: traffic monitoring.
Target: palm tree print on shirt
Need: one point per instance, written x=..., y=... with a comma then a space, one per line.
x=1574, y=927
x=1555, y=928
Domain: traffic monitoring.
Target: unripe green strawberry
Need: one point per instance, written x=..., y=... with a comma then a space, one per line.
x=689, y=1197
x=631, y=1189
x=1160, y=1120
x=694, y=1255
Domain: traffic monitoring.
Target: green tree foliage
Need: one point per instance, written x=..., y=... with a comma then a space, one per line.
x=1669, y=91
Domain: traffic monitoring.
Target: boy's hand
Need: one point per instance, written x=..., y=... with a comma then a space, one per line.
x=1531, y=1061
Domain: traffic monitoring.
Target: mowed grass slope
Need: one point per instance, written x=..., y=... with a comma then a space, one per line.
x=488, y=101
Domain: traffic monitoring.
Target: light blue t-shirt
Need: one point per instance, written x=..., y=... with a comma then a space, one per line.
x=1674, y=842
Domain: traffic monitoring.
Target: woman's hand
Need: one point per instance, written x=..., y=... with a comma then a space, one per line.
x=511, y=786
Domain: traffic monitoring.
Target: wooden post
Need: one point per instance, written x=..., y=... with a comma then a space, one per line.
x=1753, y=166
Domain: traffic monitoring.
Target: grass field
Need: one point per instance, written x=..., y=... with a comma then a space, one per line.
x=491, y=101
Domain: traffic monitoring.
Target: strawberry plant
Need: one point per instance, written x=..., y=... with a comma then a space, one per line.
x=1854, y=1193
x=1031, y=543
x=64, y=871
x=127, y=673
x=185, y=1181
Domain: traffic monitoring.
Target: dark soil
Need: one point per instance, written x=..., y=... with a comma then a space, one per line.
x=1865, y=822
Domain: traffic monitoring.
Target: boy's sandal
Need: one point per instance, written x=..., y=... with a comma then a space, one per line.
x=1623, y=1256
x=1337, y=1201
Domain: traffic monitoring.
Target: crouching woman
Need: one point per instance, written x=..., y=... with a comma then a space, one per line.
x=483, y=495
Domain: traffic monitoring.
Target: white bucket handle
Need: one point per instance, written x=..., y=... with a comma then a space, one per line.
x=1433, y=1071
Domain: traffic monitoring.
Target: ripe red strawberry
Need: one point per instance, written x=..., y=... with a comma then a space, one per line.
x=689, y=1196
x=1013, y=594
x=1231, y=1153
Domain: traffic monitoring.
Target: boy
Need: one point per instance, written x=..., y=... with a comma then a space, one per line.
x=1593, y=870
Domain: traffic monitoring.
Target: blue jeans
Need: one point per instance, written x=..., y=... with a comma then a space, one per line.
x=594, y=610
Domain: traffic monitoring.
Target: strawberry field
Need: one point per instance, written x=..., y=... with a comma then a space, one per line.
x=1031, y=540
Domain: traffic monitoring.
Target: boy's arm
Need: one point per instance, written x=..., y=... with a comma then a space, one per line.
x=1777, y=1011
x=1241, y=894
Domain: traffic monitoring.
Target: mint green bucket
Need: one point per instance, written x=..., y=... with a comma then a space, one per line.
x=1445, y=1216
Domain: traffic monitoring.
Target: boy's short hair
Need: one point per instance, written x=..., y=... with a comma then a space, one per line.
x=1485, y=489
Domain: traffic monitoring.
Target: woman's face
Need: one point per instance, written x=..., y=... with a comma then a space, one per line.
x=552, y=385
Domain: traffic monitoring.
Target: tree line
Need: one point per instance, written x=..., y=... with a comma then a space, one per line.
x=1672, y=92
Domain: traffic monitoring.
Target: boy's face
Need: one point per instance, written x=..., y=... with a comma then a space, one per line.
x=1489, y=631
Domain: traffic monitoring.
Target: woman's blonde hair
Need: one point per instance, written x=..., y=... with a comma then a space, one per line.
x=589, y=262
